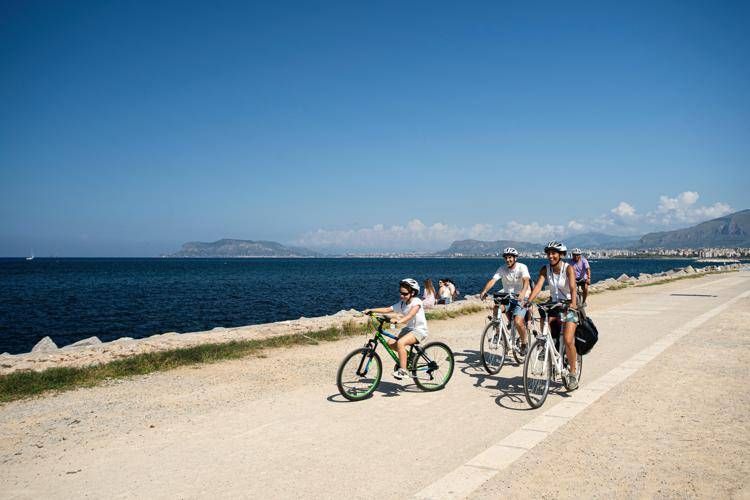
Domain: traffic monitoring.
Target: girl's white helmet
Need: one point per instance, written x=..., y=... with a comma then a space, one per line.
x=556, y=246
x=410, y=283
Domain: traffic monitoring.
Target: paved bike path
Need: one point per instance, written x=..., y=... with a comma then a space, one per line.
x=276, y=426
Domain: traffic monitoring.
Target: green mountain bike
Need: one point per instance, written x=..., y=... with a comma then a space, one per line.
x=430, y=365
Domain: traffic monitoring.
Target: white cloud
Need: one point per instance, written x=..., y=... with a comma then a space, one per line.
x=576, y=226
x=681, y=210
x=415, y=235
x=533, y=232
x=624, y=210
x=670, y=212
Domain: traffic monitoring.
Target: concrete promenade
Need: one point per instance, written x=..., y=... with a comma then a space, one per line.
x=662, y=412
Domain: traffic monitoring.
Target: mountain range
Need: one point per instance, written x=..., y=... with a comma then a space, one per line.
x=732, y=230
x=476, y=248
x=241, y=248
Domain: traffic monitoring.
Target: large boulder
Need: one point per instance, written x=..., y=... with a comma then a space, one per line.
x=45, y=345
x=91, y=341
x=623, y=278
x=690, y=270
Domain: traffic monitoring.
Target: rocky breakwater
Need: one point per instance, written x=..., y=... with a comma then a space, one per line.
x=91, y=351
x=644, y=279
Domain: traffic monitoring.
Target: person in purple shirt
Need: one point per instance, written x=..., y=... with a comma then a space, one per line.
x=582, y=270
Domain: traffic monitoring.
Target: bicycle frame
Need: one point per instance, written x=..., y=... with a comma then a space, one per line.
x=380, y=337
x=551, y=350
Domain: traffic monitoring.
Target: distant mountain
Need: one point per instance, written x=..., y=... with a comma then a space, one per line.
x=600, y=241
x=476, y=248
x=732, y=230
x=241, y=248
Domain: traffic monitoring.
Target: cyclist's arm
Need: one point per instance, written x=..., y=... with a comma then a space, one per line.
x=490, y=283
x=572, y=286
x=525, y=288
x=379, y=310
x=539, y=284
x=405, y=319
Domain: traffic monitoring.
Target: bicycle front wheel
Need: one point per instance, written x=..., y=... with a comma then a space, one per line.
x=492, y=348
x=432, y=368
x=359, y=374
x=516, y=340
x=537, y=373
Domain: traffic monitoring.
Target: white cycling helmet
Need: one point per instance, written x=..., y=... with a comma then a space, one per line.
x=556, y=246
x=510, y=251
x=410, y=283
x=576, y=251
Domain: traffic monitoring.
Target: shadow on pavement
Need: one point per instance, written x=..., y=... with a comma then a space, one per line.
x=384, y=389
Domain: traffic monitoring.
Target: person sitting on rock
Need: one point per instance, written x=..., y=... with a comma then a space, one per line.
x=428, y=299
x=444, y=292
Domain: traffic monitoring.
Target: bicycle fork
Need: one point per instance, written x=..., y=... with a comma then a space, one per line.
x=364, y=363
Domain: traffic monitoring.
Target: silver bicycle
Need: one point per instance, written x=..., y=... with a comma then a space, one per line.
x=500, y=336
x=546, y=362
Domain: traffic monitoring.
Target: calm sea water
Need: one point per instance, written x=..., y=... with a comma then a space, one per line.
x=71, y=299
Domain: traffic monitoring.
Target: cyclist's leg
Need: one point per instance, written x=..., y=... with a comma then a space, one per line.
x=404, y=341
x=519, y=317
x=569, y=336
x=585, y=291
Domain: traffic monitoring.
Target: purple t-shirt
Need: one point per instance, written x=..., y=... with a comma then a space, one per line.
x=580, y=267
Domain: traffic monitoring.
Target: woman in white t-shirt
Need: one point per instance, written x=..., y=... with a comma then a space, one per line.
x=409, y=312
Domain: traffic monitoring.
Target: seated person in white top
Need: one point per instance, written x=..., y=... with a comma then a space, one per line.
x=444, y=292
x=515, y=278
x=562, y=287
x=409, y=312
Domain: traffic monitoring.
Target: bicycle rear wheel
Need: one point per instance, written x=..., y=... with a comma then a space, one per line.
x=359, y=374
x=434, y=367
x=537, y=374
x=492, y=348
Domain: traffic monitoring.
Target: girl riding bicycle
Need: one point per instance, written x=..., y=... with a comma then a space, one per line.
x=561, y=281
x=409, y=312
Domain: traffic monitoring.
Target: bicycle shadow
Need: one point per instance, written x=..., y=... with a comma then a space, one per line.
x=385, y=390
x=511, y=394
x=473, y=367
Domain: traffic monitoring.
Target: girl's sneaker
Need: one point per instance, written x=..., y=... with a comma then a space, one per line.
x=400, y=373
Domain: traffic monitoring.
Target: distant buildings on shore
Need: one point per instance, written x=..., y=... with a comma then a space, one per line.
x=609, y=253
x=692, y=253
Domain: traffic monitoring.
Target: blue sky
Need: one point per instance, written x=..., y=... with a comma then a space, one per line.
x=129, y=128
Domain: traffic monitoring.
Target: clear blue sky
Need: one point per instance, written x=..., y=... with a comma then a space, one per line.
x=128, y=128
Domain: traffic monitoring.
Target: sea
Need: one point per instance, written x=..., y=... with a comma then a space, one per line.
x=72, y=299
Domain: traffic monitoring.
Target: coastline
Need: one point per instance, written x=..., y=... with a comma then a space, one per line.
x=92, y=352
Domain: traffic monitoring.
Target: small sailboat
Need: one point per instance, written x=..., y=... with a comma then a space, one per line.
x=31, y=257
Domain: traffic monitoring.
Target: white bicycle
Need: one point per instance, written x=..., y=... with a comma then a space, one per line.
x=545, y=361
x=500, y=336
